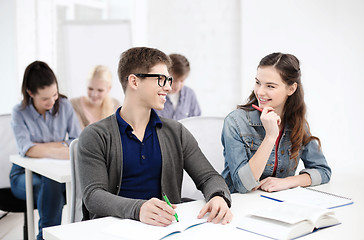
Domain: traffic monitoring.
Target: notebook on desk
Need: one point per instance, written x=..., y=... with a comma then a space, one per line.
x=132, y=229
x=309, y=196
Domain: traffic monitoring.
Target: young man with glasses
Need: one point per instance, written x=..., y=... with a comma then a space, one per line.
x=126, y=161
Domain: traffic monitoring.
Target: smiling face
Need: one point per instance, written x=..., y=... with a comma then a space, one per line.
x=270, y=90
x=98, y=88
x=45, y=98
x=150, y=93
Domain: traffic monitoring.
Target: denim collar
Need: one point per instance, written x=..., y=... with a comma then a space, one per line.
x=254, y=118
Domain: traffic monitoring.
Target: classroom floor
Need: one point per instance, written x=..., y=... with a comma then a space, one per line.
x=11, y=226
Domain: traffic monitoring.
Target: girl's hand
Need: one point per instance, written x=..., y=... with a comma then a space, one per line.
x=271, y=122
x=273, y=184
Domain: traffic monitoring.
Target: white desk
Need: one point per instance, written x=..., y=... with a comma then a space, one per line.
x=344, y=184
x=57, y=170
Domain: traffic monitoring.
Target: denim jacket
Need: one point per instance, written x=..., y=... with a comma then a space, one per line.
x=242, y=135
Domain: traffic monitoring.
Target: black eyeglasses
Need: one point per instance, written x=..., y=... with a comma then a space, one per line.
x=162, y=79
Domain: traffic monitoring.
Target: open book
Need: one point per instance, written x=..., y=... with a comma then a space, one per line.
x=309, y=196
x=287, y=220
x=132, y=229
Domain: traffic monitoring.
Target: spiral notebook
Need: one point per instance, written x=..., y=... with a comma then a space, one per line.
x=309, y=196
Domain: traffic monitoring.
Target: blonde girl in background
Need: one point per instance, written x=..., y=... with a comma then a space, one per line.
x=97, y=104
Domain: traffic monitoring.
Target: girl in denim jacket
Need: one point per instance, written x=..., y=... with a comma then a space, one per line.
x=262, y=149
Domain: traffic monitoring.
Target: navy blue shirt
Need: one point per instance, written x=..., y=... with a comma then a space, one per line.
x=142, y=161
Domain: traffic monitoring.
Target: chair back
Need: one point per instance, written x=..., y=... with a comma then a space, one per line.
x=76, y=195
x=207, y=132
x=8, y=147
x=8, y=202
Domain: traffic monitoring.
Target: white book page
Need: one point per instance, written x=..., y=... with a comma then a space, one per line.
x=132, y=229
x=274, y=229
x=292, y=213
x=307, y=196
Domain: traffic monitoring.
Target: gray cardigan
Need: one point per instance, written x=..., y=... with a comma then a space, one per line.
x=100, y=166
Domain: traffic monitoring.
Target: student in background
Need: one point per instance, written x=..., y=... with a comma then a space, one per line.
x=181, y=100
x=262, y=149
x=97, y=104
x=40, y=124
x=127, y=160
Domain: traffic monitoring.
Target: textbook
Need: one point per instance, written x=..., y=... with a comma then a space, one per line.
x=287, y=220
x=132, y=229
x=309, y=196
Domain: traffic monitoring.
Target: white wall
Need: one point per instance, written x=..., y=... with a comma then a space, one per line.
x=26, y=36
x=224, y=41
x=207, y=33
x=80, y=53
x=8, y=69
x=327, y=36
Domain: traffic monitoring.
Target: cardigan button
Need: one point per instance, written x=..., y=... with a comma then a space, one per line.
x=282, y=152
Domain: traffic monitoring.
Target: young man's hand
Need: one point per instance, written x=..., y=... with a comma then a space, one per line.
x=157, y=212
x=219, y=211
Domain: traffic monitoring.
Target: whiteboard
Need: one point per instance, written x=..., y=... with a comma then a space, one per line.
x=86, y=44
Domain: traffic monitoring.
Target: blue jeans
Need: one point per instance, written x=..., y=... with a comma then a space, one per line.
x=48, y=195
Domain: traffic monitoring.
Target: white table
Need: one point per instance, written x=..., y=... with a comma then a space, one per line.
x=57, y=170
x=351, y=217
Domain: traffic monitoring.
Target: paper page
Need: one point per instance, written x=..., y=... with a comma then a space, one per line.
x=308, y=196
x=132, y=229
x=292, y=213
x=326, y=221
x=272, y=228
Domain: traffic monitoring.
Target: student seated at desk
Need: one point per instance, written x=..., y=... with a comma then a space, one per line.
x=97, y=104
x=126, y=161
x=40, y=124
x=262, y=148
x=181, y=101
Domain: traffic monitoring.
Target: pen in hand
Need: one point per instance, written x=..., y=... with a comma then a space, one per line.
x=257, y=108
x=261, y=110
x=167, y=201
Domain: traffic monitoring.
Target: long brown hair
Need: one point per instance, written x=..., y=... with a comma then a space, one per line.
x=38, y=75
x=294, y=111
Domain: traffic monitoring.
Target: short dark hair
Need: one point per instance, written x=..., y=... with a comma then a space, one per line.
x=180, y=65
x=139, y=60
x=38, y=75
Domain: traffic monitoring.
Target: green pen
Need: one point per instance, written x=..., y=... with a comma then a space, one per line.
x=167, y=201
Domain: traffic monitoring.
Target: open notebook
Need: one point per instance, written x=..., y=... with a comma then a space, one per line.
x=132, y=229
x=309, y=196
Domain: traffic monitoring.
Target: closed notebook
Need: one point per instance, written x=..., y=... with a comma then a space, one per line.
x=309, y=196
x=287, y=220
x=132, y=229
